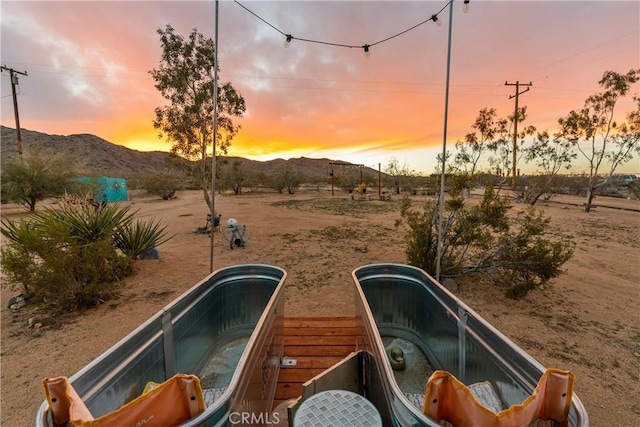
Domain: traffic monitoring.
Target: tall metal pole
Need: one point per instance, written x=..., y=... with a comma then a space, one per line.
x=215, y=137
x=515, y=140
x=444, y=149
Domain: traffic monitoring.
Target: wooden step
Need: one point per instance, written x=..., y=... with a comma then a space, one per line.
x=317, y=343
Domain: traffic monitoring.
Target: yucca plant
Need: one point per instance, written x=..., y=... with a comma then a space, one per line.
x=134, y=238
x=87, y=222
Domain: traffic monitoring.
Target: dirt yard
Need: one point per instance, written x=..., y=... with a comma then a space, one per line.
x=587, y=321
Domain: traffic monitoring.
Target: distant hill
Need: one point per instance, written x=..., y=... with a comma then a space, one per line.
x=97, y=156
x=94, y=154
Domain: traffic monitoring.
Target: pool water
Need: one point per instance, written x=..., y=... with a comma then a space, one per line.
x=220, y=367
x=413, y=379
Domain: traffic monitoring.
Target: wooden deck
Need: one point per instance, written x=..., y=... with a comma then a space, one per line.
x=317, y=343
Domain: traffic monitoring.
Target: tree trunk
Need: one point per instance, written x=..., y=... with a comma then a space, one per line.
x=207, y=198
x=535, y=198
x=587, y=207
x=205, y=180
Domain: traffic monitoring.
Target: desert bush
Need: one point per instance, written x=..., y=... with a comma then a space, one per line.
x=518, y=253
x=67, y=258
x=162, y=185
x=634, y=189
x=36, y=176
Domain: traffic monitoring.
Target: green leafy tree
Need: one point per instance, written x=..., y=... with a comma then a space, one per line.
x=287, y=178
x=236, y=177
x=502, y=144
x=475, y=144
x=627, y=139
x=36, y=176
x=398, y=173
x=551, y=156
x=185, y=79
x=261, y=179
x=592, y=130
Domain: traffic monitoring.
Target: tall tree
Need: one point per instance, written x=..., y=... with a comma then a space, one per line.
x=592, y=130
x=475, y=143
x=627, y=139
x=236, y=176
x=551, y=156
x=502, y=144
x=185, y=79
x=398, y=173
x=287, y=178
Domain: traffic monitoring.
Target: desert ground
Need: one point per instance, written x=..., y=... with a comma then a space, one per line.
x=587, y=321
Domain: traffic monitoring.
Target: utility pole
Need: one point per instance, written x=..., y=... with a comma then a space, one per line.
x=379, y=182
x=517, y=84
x=343, y=164
x=14, y=82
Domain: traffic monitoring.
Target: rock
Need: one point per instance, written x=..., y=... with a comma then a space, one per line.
x=16, y=302
x=36, y=334
x=450, y=284
x=153, y=253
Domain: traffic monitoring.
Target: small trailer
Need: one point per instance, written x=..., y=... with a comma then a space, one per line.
x=106, y=189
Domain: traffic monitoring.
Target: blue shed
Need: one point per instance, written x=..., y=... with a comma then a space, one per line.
x=108, y=189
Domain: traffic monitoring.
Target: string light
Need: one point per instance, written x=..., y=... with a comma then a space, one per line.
x=366, y=47
x=465, y=7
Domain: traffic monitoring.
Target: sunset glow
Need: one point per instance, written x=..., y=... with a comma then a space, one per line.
x=88, y=69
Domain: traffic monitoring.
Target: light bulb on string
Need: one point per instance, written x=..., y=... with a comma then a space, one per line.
x=288, y=37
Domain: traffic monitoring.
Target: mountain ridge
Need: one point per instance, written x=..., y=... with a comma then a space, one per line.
x=97, y=156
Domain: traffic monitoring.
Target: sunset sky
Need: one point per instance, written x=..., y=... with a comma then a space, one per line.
x=88, y=66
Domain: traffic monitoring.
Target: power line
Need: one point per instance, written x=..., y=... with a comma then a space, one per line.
x=582, y=52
